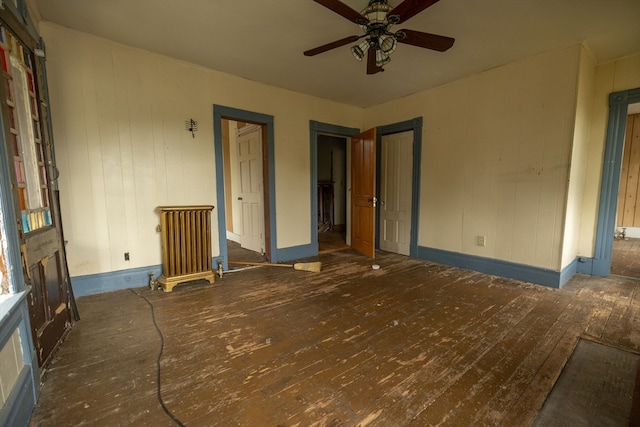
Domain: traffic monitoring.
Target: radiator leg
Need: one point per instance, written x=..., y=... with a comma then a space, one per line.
x=220, y=270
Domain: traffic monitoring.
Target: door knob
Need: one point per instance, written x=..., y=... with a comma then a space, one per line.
x=373, y=200
x=239, y=198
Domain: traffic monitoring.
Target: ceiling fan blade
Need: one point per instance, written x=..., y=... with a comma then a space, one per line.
x=372, y=68
x=332, y=45
x=342, y=9
x=426, y=40
x=409, y=8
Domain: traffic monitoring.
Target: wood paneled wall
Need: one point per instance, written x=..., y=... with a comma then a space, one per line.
x=122, y=148
x=496, y=158
x=629, y=190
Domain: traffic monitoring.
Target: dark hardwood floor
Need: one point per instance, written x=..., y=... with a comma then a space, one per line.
x=237, y=253
x=331, y=241
x=412, y=344
x=625, y=257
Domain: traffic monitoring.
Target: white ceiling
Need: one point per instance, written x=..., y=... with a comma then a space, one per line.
x=263, y=40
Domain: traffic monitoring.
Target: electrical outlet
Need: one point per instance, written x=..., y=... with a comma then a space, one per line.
x=482, y=241
x=126, y=256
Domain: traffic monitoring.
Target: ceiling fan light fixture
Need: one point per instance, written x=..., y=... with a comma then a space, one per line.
x=376, y=12
x=360, y=50
x=387, y=44
x=382, y=58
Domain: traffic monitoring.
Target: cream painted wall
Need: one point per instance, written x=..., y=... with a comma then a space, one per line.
x=495, y=158
x=579, y=157
x=615, y=76
x=495, y=162
x=122, y=148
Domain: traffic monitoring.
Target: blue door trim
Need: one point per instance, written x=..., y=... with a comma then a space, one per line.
x=220, y=112
x=616, y=127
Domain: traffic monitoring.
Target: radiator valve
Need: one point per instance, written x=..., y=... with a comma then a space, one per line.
x=220, y=270
x=153, y=283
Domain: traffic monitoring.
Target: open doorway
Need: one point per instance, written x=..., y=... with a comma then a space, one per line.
x=332, y=193
x=625, y=254
x=414, y=127
x=243, y=148
x=227, y=200
x=333, y=136
x=619, y=103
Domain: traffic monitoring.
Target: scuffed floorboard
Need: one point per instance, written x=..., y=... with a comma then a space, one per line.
x=414, y=343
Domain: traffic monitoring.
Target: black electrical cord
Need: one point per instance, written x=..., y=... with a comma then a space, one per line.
x=153, y=317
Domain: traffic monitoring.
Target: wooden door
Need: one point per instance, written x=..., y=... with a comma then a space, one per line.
x=395, y=192
x=363, y=192
x=25, y=128
x=250, y=197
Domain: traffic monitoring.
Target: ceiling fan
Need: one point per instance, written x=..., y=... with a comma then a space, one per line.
x=379, y=41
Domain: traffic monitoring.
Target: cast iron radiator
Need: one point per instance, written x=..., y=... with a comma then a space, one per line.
x=186, y=245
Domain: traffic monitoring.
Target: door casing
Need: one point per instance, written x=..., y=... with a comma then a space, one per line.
x=600, y=264
x=270, y=233
x=414, y=125
x=317, y=128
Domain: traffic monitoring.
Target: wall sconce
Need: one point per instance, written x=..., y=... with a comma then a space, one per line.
x=191, y=126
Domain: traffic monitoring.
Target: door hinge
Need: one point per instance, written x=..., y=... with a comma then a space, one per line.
x=25, y=260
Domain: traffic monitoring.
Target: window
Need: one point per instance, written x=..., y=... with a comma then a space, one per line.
x=25, y=136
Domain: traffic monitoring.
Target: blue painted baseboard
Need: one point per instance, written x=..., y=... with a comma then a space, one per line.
x=568, y=272
x=117, y=280
x=113, y=281
x=295, y=252
x=525, y=273
x=584, y=265
x=139, y=277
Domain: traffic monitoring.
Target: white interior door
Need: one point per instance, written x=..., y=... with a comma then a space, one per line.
x=396, y=173
x=250, y=197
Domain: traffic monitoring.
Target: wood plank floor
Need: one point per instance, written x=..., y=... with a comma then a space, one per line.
x=331, y=241
x=625, y=257
x=414, y=343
